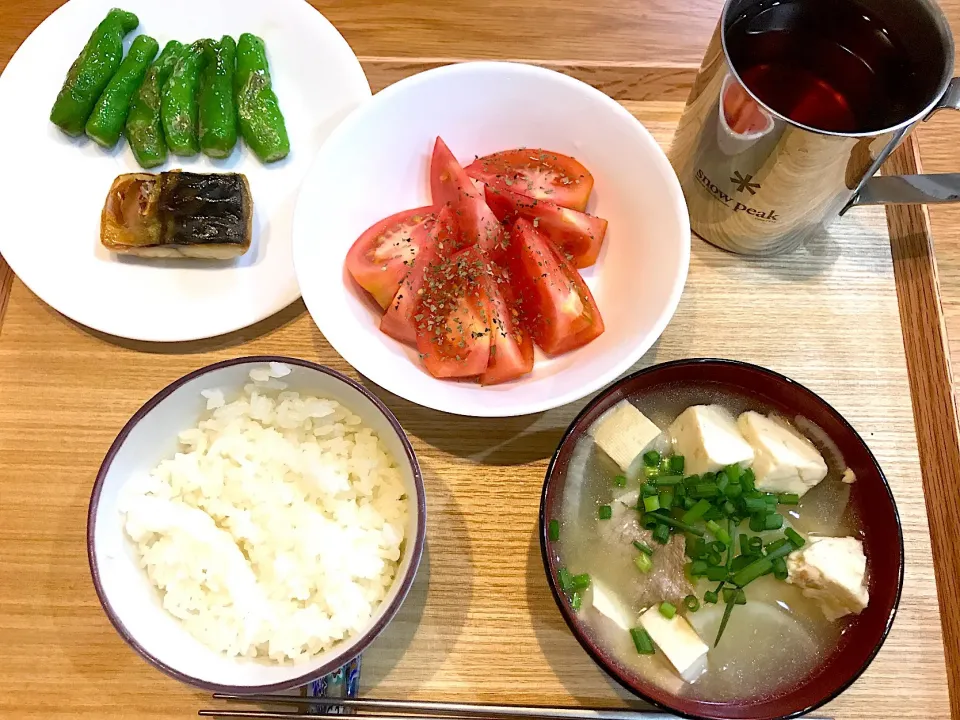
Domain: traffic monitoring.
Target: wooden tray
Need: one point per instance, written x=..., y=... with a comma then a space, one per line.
x=480, y=623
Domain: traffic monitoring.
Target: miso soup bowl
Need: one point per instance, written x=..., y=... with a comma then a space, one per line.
x=870, y=498
x=133, y=604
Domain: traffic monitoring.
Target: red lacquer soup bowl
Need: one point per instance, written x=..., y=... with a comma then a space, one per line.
x=871, y=502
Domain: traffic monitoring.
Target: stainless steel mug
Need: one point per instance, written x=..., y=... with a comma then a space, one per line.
x=764, y=183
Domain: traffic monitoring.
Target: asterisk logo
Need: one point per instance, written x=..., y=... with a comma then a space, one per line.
x=743, y=183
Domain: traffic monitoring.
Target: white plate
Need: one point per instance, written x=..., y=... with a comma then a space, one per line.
x=376, y=163
x=53, y=187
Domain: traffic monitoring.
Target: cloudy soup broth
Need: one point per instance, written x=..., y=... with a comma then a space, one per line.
x=768, y=644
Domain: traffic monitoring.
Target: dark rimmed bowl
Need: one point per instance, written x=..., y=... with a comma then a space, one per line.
x=870, y=497
x=132, y=603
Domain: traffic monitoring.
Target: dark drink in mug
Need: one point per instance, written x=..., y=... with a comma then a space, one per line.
x=797, y=104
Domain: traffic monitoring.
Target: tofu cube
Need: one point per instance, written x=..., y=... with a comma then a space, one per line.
x=678, y=641
x=831, y=571
x=607, y=605
x=708, y=438
x=784, y=460
x=623, y=432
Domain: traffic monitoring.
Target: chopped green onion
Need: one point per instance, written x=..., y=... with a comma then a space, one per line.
x=668, y=610
x=688, y=502
x=643, y=547
x=643, y=562
x=771, y=501
x=794, y=537
x=697, y=549
x=732, y=547
x=733, y=472
x=722, y=481
x=740, y=562
x=713, y=527
x=650, y=472
x=661, y=533
x=716, y=573
x=735, y=595
x=620, y=480
x=691, y=603
x=679, y=524
x=581, y=582
x=718, y=532
x=651, y=503
x=680, y=490
x=710, y=597
x=649, y=520
x=651, y=458
x=780, y=551
x=709, y=477
x=576, y=601
x=723, y=623
x=748, y=480
x=553, y=531
x=733, y=491
x=754, y=505
x=666, y=499
x=704, y=490
x=776, y=545
x=668, y=480
x=691, y=480
x=649, y=490
x=780, y=568
x=714, y=557
x=698, y=568
x=664, y=466
x=642, y=641
x=718, y=546
x=754, y=570
x=605, y=512
x=754, y=544
x=789, y=499
x=696, y=512
x=758, y=523
x=714, y=513
x=773, y=521
x=676, y=464
x=565, y=579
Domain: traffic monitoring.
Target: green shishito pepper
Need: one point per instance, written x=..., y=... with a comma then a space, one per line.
x=91, y=71
x=218, y=110
x=179, y=102
x=144, y=130
x=261, y=122
x=106, y=123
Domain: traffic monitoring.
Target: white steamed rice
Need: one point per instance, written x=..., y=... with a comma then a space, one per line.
x=277, y=531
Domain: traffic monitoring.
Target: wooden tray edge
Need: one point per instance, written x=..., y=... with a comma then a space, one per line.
x=933, y=397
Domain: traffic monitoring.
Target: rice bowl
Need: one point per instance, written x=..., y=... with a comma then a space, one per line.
x=269, y=537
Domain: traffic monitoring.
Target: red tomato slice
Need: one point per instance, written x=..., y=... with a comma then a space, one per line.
x=382, y=257
x=538, y=174
x=449, y=184
x=453, y=315
x=399, y=320
x=556, y=306
x=577, y=234
x=511, y=354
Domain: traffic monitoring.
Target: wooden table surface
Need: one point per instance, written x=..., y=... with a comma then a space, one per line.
x=452, y=639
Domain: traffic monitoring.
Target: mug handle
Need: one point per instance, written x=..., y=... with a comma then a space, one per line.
x=913, y=189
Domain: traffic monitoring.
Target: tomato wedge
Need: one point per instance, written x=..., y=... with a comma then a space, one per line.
x=449, y=184
x=453, y=315
x=556, y=306
x=536, y=173
x=577, y=234
x=399, y=320
x=382, y=257
x=511, y=353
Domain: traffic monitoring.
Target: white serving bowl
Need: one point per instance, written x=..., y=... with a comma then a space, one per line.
x=130, y=600
x=376, y=163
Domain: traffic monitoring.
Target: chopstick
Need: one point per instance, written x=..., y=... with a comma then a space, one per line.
x=369, y=709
